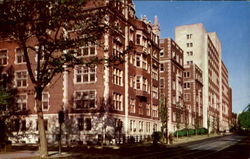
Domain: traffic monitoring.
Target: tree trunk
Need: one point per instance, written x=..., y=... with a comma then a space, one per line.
x=43, y=146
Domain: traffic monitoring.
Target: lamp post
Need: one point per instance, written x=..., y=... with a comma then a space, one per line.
x=61, y=120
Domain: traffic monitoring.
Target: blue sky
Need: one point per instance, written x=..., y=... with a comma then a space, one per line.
x=231, y=21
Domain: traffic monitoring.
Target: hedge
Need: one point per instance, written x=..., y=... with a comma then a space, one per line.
x=185, y=132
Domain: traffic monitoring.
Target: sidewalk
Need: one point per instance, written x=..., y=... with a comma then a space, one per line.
x=33, y=155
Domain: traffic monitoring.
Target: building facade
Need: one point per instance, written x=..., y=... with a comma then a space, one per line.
x=100, y=102
x=192, y=90
x=204, y=49
x=171, y=82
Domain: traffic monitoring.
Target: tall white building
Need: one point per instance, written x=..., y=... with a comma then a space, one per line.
x=204, y=49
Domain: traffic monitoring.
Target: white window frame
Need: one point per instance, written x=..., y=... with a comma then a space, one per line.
x=88, y=46
x=21, y=55
x=117, y=76
x=22, y=78
x=132, y=105
x=118, y=101
x=81, y=98
x=82, y=73
x=21, y=101
x=3, y=57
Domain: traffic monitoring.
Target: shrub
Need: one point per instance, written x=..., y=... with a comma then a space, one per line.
x=157, y=135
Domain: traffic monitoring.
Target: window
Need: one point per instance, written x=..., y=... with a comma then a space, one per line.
x=189, y=62
x=132, y=105
x=84, y=99
x=85, y=74
x=117, y=49
x=21, y=79
x=161, y=67
x=138, y=61
x=161, y=82
x=155, y=111
x=155, y=127
x=155, y=92
x=22, y=102
x=187, y=96
x=147, y=126
x=189, y=44
x=80, y=124
x=132, y=60
x=138, y=82
x=144, y=63
x=45, y=101
x=148, y=109
x=19, y=56
x=89, y=49
x=3, y=57
x=132, y=125
x=140, y=109
x=138, y=39
x=118, y=101
x=118, y=77
x=190, y=53
x=132, y=81
x=140, y=126
x=186, y=85
x=161, y=53
x=88, y=124
x=155, y=73
x=189, y=36
x=144, y=84
x=186, y=74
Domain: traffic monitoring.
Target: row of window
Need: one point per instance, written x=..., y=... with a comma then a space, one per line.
x=4, y=57
x=140, y=126
x=22, y=100
x=132, y=108
x=186, y=85
x=139, y=83
x=88, y=49
x=140, y=61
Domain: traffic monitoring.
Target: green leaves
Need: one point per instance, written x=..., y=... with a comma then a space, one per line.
x=244, y=120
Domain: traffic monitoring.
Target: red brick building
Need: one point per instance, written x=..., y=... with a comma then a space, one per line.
x=192, y=92
x=171, y=80
x=100, y=102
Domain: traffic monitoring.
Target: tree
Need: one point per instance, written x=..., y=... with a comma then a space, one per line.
x=196, y=122
x=244, y=118
x=186, y=118
x=164, y=116
x=10, y=112
x=178, y=116
x=208, y=124
x=51, y=32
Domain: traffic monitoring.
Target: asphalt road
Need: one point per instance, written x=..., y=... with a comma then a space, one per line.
x=222, y=147
x=226, y=147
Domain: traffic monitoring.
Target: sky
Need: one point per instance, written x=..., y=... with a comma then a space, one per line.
x=229, y=19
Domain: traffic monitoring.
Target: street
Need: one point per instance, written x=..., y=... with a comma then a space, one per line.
x=220, y=147
x=226, y=147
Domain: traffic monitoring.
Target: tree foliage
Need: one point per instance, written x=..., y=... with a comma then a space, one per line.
x=9, y=109
x=244, y=120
